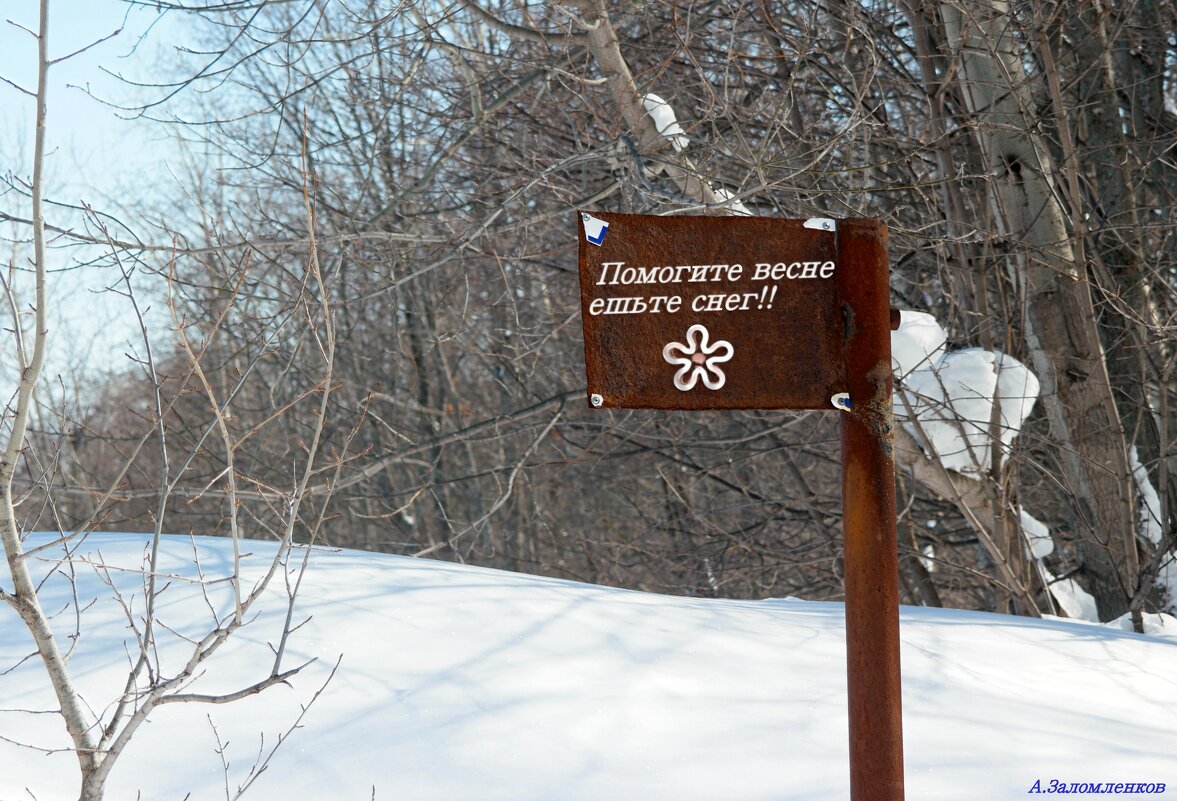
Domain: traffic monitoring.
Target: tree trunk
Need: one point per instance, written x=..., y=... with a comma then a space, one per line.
x=1062, y=336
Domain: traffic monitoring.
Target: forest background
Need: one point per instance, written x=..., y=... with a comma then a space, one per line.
x=372, y=262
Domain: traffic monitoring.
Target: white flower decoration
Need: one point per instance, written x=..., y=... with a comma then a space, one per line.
x=698, y=359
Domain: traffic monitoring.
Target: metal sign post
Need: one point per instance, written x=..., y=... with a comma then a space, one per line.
x=868, y=519
x=757, y=313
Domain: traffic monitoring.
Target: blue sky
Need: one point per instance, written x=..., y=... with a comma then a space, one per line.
x=96, y=154
x=93, y=149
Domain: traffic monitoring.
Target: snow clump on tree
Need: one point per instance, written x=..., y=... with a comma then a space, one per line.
x=946, y=399
x=665, y=121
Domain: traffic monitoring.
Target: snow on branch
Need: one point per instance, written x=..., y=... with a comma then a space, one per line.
x=1152, y=530
x=728, y=198
x=918, y=343
x=957, y=403
x=665, y=121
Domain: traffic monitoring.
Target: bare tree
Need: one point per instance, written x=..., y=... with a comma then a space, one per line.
x=100, y=732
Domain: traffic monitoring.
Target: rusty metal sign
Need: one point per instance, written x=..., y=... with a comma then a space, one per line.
x=760, y=313
x=711, y=312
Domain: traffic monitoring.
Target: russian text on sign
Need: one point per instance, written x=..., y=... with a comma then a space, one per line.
x=773, y=288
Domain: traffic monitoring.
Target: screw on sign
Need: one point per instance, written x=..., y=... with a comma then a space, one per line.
x=696, y=313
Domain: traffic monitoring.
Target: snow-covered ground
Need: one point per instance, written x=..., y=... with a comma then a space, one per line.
x=461, y=683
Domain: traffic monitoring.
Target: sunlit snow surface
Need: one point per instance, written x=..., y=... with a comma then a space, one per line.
x=460, y=683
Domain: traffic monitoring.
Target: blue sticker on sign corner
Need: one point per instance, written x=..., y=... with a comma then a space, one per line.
x=594, y=229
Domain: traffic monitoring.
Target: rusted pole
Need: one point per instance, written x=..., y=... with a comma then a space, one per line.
x=868, y=518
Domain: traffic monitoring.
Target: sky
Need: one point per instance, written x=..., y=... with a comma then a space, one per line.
x=97, y=154
x=93, y=149
x=455, y=683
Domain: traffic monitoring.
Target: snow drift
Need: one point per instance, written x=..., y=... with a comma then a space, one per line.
x=457, y=683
